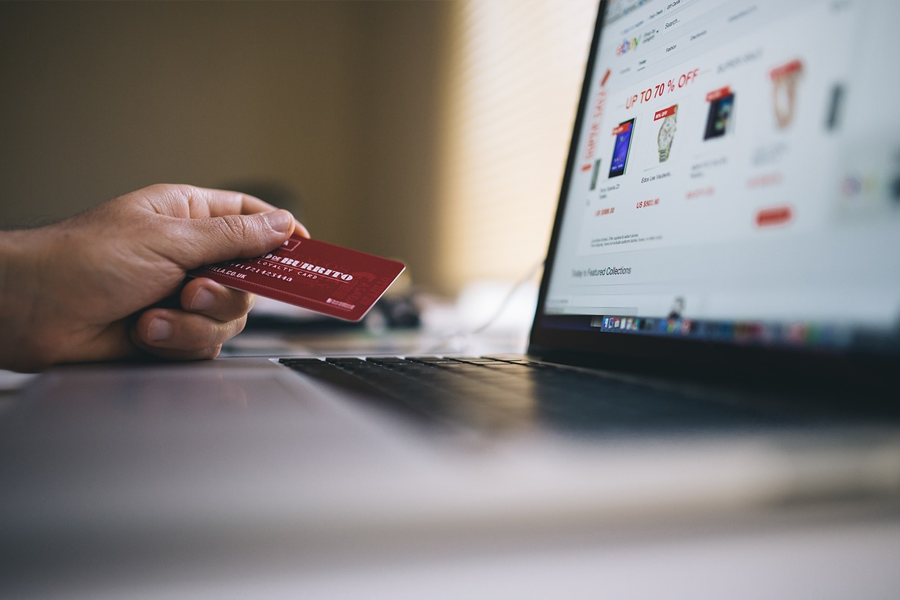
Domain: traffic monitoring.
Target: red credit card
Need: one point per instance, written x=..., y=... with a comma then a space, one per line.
x=329, y=279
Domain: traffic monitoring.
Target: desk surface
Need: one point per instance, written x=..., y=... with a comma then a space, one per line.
x=144, y=541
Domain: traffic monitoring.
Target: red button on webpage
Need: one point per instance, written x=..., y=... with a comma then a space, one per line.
x=774, y=216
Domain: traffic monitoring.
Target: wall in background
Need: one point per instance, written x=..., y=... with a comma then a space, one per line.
x=430, y=132
x=336, y=101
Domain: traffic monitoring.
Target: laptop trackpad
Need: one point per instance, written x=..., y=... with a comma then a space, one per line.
x=190, y=422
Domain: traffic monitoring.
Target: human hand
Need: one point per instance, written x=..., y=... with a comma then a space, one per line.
x=109, y=284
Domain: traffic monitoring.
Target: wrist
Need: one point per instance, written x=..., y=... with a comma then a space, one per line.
x=19, y=281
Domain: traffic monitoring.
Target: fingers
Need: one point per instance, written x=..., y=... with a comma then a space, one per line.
x=206, y=297
x=181, y=335
x=199, y=227
x=208, y=202
x=213, y=225
x=300, y=230
x=212, y=314
x=206, y=241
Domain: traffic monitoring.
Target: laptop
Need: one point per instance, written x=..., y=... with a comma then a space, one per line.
x=715, y=336
x=728, y=218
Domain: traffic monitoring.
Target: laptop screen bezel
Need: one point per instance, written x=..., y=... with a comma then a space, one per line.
x=649, y=353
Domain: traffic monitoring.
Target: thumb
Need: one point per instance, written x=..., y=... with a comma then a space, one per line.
x=218, y=239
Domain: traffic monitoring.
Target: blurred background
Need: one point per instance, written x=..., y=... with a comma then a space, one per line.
x=433, y=132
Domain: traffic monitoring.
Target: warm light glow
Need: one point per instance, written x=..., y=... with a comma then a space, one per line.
x=515, y=72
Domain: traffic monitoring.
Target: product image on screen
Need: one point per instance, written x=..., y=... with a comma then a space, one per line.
x=834, y=107
x=720, y=116
x=785, y=80
x=624, y=133
x=668, y=119
x=595, y=174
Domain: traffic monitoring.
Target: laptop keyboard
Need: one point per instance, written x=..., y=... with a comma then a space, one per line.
x=516, y=394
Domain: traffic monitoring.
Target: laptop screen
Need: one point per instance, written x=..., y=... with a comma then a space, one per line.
x=734, y=177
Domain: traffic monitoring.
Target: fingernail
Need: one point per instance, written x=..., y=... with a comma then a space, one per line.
x=280, y=220
x=203, y=300
x=159, y=330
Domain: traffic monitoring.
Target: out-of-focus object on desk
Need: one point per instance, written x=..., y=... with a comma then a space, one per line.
x=11, y=384
x=11, y=381
x=487, y=317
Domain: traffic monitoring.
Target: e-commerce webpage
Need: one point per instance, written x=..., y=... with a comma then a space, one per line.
x=737, y=162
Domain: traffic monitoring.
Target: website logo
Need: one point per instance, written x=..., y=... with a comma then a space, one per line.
x=626, y=46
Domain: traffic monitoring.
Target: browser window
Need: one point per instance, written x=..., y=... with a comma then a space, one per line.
x=737, y=174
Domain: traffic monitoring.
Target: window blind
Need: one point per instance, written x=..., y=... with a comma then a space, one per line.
x=514, y=73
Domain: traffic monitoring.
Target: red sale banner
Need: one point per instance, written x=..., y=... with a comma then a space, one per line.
x=719, y=93
x=605, y=78
x=795, y=66
x=622, y=128
x=662, y=114
x=665, y=87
